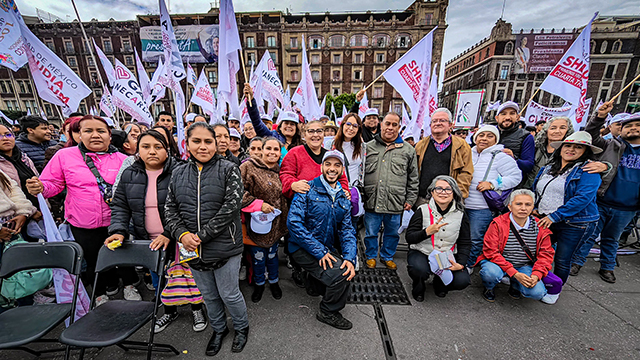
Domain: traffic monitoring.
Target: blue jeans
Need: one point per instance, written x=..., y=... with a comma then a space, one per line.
x=610, y=226
x=390, y=237
x=568, y=238
x=479, y=221
x=264, y=258
x=491, y=275
x=220, y=288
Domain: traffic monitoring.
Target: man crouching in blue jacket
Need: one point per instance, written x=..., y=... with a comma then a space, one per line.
x=317, y=221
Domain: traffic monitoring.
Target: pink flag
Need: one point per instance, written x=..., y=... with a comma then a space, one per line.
x=202, y=95
x=128, y=96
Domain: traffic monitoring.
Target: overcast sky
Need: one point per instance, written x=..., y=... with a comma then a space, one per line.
x=469, y=20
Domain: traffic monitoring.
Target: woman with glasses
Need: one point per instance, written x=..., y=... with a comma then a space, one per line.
x=15, y=163
x=349, y=142
x=439, y=225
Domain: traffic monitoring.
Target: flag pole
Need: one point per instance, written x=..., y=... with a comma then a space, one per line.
x=529, y=102
x=373, y=82
x=623, y=89
x=246, y=79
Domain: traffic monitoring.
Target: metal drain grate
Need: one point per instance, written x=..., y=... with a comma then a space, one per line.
x=378, y=286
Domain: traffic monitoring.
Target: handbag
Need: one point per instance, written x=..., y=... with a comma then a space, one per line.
x=181, y=288
x=496, y=199
x=27, y=282
x=551, y=281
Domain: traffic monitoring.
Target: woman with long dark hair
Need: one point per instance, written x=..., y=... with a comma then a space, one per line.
x=349, y=142
x=566, y=197
x=203, y=213
x=173, y=146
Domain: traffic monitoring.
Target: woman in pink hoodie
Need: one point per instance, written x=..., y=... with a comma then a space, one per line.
x=88, y=172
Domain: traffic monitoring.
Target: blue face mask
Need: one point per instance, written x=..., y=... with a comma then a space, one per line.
x=63, y=138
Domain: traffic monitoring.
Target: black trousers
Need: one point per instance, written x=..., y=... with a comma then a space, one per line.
x=336, y=286
x=92, y=240
x=419, y=271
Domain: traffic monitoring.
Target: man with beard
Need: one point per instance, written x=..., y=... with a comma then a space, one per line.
x=371, y=120
x=318, y=220
x=618, y=195
x=390, y=187
x=518, y=143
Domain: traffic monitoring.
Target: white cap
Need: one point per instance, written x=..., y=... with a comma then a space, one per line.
x=109, y=121
x=234, y=133
x=371, y=111
x=232, y=117
x=509, y=105
x=190, y=117
x=266, y=117
x=290, y=116
x=488, y=128
x=261, y=222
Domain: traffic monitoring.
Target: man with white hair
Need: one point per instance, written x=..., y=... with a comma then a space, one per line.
x=443, y=154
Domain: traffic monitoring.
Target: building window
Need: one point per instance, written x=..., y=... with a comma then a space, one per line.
x=508, y=49
x=294, y=59
x=315, y=75
x=335, y=91
x=273, y=57
x=68, y=47
x=377, y=92
x=604, y=95
x=251, y=42
x=90, y=61
x=617, y=46
x=380, y=58
x=251, y=58
x=126, y=45
x=381, y=40
x=610, y=71
x=294, y=75
x=336, y=75
x=271, y=41
x=213, y=77
x=357, y=75
x=294, y=42
x=47, y=109
x=336, y=41
x=50, y=45
x=71, y=60
x=500, y=95
x=315, y=59
x=522, y=77
x=357, y=59
x=403, y=41
x=603, y=47
x=316, y=42
x=517, y=96
x=504, y=72
x=128, y=60
x=11, y=105
x=359, y=40
x=106, y=46
x=336, y=59
x=428, y=18
x=379, y=72
x=94, y=79
x=21, y=87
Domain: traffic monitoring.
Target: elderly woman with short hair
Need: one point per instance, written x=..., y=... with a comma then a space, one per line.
x=440, y=224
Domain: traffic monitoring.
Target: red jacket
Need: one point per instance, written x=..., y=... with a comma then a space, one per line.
x=298, y=165
x=496, y=238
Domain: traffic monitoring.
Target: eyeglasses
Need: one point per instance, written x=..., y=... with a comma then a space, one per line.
x=355, y=126
x=7, y=136
x=437, y=121
x=440, y=190
x=316, y=131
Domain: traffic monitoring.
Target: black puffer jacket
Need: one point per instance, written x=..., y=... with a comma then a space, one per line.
x=129, y=199
x=207, y=202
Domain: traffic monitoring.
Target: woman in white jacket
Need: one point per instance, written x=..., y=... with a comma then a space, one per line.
x=503, y=174
x=15, y=209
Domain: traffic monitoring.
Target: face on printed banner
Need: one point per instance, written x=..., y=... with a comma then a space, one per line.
x=468, y=108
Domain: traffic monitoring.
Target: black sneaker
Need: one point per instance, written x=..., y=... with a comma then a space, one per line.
x=575, y=269
x=258, y=290
x=607, y=275
x=276, y=291
x=489, y=295
x=164, y=321
x=336, y=320
x=298, y=277
x=514, y=293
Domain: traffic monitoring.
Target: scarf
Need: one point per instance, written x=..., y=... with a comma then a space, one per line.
x=440, y=147
x=333, y=192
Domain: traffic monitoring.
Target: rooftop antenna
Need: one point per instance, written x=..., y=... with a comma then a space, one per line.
x=503, y=5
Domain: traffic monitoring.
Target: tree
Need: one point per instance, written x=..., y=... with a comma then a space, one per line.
x=343, y=99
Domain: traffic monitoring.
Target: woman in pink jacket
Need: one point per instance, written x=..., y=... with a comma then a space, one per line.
x=88, y=172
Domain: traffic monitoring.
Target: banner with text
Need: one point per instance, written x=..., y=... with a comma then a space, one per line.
x=197, y=43
x=537, y=112
x=539, y=52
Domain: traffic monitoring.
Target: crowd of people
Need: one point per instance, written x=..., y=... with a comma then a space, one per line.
x=522, y=206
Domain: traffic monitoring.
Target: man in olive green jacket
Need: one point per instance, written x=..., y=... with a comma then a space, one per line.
x=390, y=187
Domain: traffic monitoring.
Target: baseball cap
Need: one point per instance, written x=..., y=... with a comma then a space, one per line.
x=371, y=111
x=234, y=133
x=290, y=116
x=509, y=105
x=333, y=154
x=261, y=222
x=266, y=117
x=630, y=118
x=190, y=117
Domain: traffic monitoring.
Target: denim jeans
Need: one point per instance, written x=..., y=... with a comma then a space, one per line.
x=479, y=221
x=220, y=288
x=390, y=237
x=491, y=274
x=610, y=226
x=264, y=258
x=568, y=237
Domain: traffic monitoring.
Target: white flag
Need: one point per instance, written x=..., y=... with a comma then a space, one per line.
x=287, y=99
x=28, y=112
x=3, y=116
x=584, y=109
x=305, y=96
x=569, y=77
x=536, y=112
x=364, y=106
x=412, y=129
x=11, y=54
x=270, y=84
x=128, y=96
x=203, y=95
x=158, y=90
x=43, y=115
x=55, y=81
x=228, y=60
x=323, y=105
x=422, y=113
x=106, y=64
x=143, y=78
x=433, y=100
x=191, y=75
x=494, y=106
x=106, y=102
x=406, y=74
x=344, y=111
x=405, y=116
x=333, y=111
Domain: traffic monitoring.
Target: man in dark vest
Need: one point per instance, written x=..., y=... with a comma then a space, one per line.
x=518, y=143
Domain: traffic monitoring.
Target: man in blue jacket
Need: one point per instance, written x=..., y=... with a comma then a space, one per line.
x=317, y=221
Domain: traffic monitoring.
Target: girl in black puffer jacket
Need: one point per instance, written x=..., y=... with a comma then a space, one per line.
x=203, y=214
x=140, y=198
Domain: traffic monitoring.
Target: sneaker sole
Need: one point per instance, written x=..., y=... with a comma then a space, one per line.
x=113, y=292
x=196, y=329
x=333, y=325
x=489, y=300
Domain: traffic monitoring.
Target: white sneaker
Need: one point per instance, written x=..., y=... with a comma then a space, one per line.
x=506, y=280
x=243, y=273
x=550, y=299
x=131, y=293
x=199, y=321
x=101, y=300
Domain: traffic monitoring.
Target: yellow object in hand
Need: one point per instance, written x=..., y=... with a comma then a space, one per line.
x=114, y=244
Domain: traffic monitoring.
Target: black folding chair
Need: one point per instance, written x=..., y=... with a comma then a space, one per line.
x=28, y=324
x=113, y=322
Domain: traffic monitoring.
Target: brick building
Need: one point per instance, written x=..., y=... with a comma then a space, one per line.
x=346, y=50
x=490, y=65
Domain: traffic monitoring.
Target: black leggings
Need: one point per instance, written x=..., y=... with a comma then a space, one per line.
x=174, y=309
x=92, y=240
